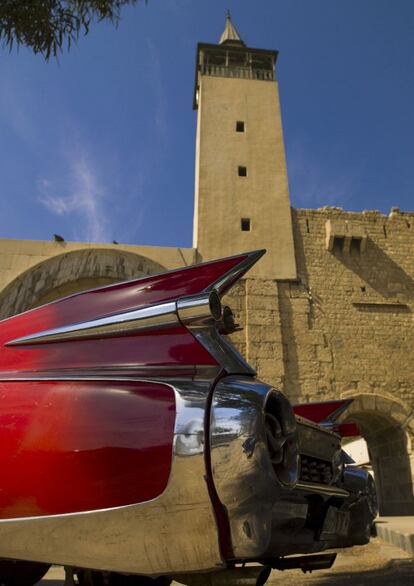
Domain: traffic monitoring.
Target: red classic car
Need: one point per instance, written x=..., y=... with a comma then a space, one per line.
x=137, y=446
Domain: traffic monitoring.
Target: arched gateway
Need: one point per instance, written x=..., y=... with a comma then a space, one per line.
x=72, y=272
x=386, y=425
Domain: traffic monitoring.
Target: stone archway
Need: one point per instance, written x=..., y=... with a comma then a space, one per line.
x=384, y=424
x=70, y=273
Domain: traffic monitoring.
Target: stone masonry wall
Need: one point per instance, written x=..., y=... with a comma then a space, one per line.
x=352, y=311
x=255, y=304
x=359, y=339
x=347, y=322
x=344, y=328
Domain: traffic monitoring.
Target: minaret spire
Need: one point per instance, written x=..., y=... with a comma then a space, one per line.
x=230, y=34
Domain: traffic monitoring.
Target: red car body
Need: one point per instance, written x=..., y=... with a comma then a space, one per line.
x=135, y=439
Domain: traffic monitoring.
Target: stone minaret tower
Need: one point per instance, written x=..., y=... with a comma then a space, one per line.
x=241, y=187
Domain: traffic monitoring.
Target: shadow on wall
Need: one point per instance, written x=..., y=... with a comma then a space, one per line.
x=297, y=306
x=378, y=270
x=292, y=378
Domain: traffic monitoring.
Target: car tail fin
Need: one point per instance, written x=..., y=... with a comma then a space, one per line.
x=126, y=318
x=326, y=413
x=323, y=411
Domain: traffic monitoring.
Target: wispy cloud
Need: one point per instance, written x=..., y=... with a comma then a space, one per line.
x=315, y=182
x=83, y=196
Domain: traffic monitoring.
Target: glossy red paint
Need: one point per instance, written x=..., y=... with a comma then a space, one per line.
x=165, y=347
x=171, y=346
x=84, y=445
x=349, y=429
x=319, y=412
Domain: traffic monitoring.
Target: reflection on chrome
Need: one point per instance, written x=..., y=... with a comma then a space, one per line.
x=154, y=316
x=243, y=474
x=199, y=310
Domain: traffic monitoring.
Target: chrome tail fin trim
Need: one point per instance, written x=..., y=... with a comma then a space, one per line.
x=226, y=281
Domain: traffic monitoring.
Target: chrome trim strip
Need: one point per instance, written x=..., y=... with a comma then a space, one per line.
x=222, y=350
x=145, y=318
x=236, y=272
x=326, y=489
x=316, y=426
x=124, y=374
x=197, y=314
x=338, y=412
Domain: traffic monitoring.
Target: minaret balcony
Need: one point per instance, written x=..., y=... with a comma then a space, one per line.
x=237, y=71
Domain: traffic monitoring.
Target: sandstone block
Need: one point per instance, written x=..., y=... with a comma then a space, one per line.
x=323, y=354
x=266, y=350
x=261, y=287
x=262, y=318
x=260, y=302
x=264, y=333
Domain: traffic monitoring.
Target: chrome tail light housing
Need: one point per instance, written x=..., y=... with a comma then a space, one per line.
x=282, y=438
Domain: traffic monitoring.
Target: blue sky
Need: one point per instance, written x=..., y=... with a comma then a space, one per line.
x=100, y=145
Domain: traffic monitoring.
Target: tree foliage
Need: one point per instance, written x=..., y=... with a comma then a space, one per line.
x=47, y=26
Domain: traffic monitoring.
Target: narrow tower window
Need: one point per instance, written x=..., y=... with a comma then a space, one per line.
x=245, y=225
x=239, y=126
x=355, y=246
x=242, y=171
